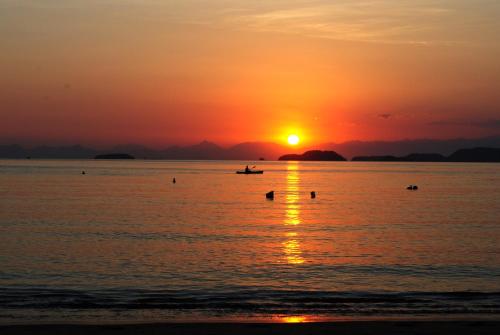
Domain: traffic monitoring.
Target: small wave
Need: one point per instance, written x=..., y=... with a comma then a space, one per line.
x=253, y=300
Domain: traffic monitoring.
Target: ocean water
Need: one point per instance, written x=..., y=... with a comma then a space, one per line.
x=122, y=243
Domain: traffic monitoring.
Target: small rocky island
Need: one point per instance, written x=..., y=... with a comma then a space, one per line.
x=114, y=156
x=314, y=155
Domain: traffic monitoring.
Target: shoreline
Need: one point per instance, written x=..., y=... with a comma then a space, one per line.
x=338, y=328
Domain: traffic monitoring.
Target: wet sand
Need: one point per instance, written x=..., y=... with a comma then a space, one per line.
x=339, y=328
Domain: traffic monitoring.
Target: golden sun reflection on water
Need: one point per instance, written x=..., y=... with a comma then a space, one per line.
x=292, y=216
x=292, y=252
x=291, y=246
x=294, y=319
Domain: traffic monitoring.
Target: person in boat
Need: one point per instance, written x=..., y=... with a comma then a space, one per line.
x=247, y=170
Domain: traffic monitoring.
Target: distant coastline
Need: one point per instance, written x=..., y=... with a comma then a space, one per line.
x=459, y=150
x=478, y=155
x=114, y=156
x=313, y=155
x=484, y=155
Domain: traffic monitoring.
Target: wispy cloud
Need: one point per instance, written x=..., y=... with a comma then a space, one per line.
x=422, y=22
x=382, y=21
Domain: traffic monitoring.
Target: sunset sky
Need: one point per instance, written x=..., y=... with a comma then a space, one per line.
x=103, y=72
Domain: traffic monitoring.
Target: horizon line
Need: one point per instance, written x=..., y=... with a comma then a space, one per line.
x=228, y=146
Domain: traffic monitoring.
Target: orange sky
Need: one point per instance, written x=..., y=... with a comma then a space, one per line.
x=164, y=72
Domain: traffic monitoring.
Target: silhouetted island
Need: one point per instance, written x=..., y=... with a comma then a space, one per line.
x=114, y=156
x=361, y=151
x=314, y=155
x=486, y=155
x=386, y=158
x=409, y=158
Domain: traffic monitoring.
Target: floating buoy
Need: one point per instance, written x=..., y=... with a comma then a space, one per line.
x=83, y=172
x=415, y=187
x=313, y=195
x=173, y=181
x=270, y=195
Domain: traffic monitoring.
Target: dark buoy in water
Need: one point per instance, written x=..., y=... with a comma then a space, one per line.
x=174, y=181
x=313, y=195
x=415, y=187
x=83, y=172
x=270, y=195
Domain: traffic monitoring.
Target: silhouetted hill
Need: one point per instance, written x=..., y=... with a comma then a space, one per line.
x=209, y=150
x=313, y=155
x=75, y=152
x=137, y=150
x=408, y=158
x=424, y=158
x=203, y=150
x=256, y=150
x=376, y=159
x=476, y=155
x=402, y=148
x=462, y=155
x=12, y=151
x=114, y=156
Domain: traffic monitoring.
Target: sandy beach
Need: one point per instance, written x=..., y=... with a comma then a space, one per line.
x=339, y=328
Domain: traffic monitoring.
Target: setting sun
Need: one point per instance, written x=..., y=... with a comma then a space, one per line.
x=293, y=139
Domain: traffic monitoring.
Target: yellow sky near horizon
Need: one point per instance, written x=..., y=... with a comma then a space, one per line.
x=160, y=72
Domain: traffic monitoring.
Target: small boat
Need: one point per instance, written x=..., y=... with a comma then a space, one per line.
x=250, y=172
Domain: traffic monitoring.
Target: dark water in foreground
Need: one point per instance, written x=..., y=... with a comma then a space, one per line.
x=122, y=243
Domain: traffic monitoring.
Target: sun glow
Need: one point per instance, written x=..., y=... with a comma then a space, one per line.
x=294, y=319
x=293, y=139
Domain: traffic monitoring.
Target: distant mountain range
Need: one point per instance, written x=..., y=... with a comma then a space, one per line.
x=462, y=155
x=406, y=147
x=204, y=150
x=253, y=150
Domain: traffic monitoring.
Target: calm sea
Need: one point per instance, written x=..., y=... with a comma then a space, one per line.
x=123, y=243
